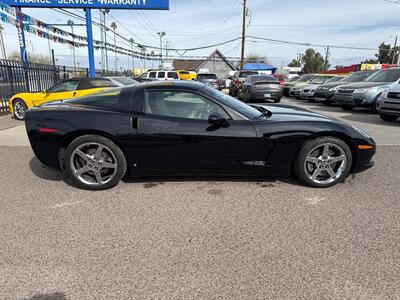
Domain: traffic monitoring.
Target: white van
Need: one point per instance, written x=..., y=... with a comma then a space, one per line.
x=163, y=75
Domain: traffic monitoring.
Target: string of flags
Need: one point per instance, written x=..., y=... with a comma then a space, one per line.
x=53, y=33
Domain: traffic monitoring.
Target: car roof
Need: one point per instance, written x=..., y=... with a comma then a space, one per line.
x=172, y=84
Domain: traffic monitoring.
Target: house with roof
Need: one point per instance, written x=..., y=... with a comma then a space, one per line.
x=216, y=63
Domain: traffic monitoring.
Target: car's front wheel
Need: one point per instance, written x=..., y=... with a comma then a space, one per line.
x=95, y=163
x=389, y=118
x=323, y=162
x=20, y=108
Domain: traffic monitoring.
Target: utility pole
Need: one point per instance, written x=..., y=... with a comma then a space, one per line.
x=114, y=27
x=243, y=33
x=327, y=54
x=133, y=56
x=71, y=23
x=394, y=51
x=161, y=35
x=144, y=56
x=3, y=48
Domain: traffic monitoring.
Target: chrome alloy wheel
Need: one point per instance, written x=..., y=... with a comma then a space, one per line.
x=325, y=163
x=93, y=164
x=19, y=109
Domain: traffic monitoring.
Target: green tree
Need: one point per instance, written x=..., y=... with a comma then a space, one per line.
x=384, y=56
x=37, y=58
x=313, y=61
x=295, y=63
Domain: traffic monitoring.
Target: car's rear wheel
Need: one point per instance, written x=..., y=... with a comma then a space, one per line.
x=20, y=108
x=323, y=162
x=386, y=117
x=94, y=162
x=277, y=100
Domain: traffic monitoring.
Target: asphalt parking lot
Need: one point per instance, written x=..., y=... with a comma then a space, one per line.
x=210, y=238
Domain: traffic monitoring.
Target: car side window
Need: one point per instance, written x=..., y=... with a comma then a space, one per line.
x=152, y=74
x=65, y=86
x=161, y=75
x=185, y=105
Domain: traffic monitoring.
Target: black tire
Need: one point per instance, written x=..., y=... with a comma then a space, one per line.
x=19, y=108
x=277, y=100
x=239, y=95
x=119, y=157
x=246, y=97
x=299, y=166
x=328, y=103
x=374, y=109
x=388, y=118
x=347, y=107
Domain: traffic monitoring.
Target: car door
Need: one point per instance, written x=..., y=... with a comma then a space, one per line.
x=174, y=134
x=63, y=90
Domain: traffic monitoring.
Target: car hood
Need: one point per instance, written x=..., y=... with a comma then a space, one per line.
x=293, y=113
x=395, y=88
x=23, y=95
x=364, y=85
x=300, y=85
x=311, y=86
x=333, y=84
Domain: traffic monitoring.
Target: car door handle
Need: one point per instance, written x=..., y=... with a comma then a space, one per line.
x=74, y=94
x=135, y=122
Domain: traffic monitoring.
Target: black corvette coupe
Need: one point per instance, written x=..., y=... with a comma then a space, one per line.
x=188, y=128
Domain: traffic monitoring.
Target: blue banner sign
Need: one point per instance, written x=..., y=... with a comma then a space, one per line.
x=111, y=4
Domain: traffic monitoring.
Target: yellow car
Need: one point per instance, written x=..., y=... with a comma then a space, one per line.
x=70, y=88
x=183, y=75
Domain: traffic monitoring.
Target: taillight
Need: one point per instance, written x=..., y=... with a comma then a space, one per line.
x=237, y=81
x=47, y=130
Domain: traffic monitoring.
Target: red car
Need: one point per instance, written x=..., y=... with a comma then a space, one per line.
x=281, y=78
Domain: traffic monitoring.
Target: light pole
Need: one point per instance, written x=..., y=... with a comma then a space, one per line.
x=71, y=23
x=114, y=27
x=161, y=35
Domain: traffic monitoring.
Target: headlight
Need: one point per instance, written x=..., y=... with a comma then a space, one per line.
x=385, y=93
x=334, y=89
x=361, y=91
x=361, y=131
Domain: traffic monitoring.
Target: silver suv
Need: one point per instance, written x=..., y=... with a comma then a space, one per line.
x=388, y=104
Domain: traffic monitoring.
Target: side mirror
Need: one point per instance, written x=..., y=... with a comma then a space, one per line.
x=218, y=121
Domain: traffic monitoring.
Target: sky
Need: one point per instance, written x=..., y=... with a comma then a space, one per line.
x=196, y=23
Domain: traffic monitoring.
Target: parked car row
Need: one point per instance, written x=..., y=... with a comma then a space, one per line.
x=377, y=90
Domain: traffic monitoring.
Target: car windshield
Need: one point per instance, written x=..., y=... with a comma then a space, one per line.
x=245, y=74
x=237, y=105
x=207, y=76
x=335, y=79
x=357, y=77
x=262, y=78
x=319, y=80
x=389, y=75
x=125, y=80
x=305, y=78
